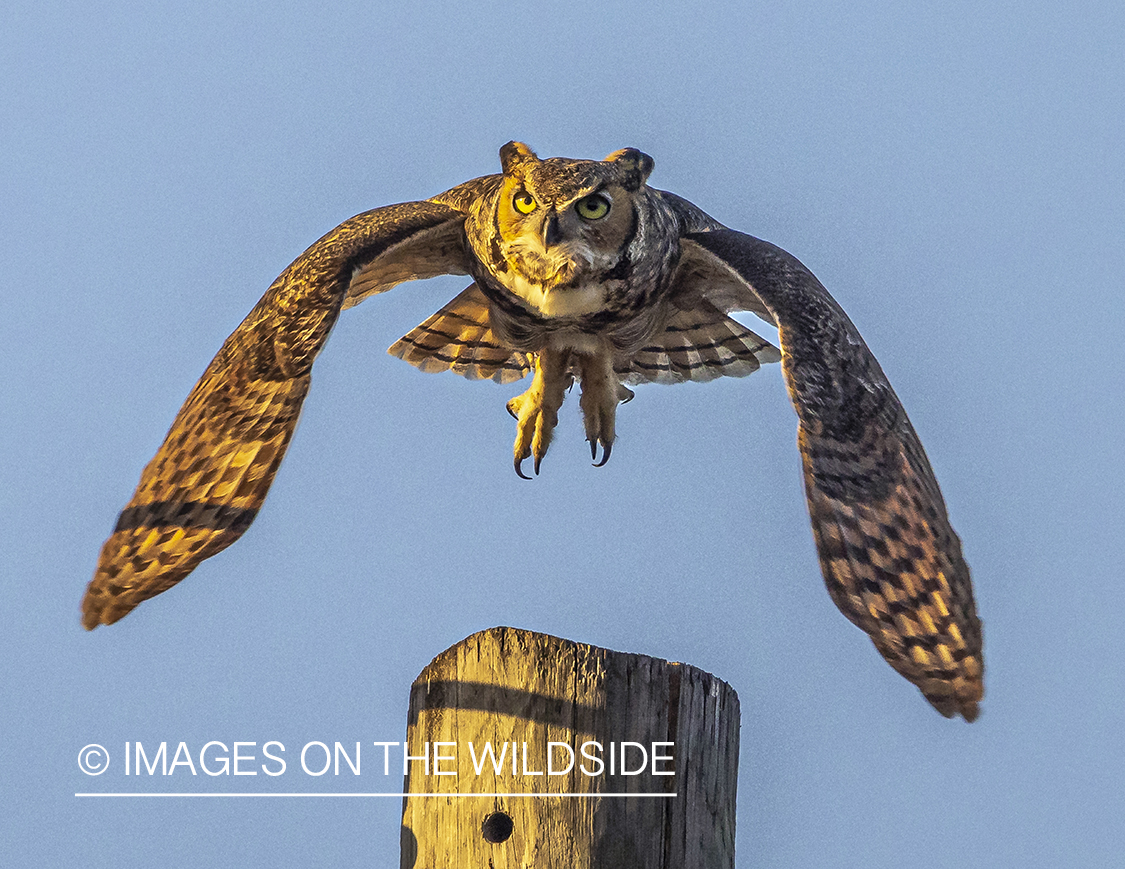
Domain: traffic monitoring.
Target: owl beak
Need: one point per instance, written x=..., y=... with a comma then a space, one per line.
x=552, y=235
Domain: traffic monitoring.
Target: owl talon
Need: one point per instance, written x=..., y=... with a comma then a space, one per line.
x=601, y=393
x=537, y=410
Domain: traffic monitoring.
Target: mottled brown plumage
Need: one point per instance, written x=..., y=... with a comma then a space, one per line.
x=581, y=272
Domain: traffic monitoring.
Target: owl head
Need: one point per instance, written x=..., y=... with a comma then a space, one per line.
x=563, y=231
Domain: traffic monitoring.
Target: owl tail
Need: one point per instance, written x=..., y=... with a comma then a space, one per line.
x=699, y=344
x=459, y=338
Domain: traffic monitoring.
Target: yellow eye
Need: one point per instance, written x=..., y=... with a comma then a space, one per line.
x=524, y=203
x=592, y=207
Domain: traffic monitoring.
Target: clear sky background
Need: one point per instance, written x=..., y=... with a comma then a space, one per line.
x=954, y=174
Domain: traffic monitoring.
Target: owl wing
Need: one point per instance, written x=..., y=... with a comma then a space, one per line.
x=699, y=343
x=890, y=557
x=208, y=479
x=459, y=338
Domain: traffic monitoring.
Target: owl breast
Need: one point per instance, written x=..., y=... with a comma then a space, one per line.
x=554, y=301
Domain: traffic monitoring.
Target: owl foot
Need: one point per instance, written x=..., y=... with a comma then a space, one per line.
x=537, y=410
x=601, y=393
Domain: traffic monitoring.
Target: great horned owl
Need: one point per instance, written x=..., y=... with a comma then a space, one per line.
x=581, y=271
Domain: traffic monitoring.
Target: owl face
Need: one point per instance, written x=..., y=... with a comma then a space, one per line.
x=563, y=228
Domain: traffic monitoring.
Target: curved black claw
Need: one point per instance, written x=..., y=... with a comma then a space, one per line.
x=606, y=450
x=519, y=470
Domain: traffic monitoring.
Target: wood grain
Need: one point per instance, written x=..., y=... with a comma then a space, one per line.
x=509, y=686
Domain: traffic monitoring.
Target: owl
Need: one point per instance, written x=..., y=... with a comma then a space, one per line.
x=581, y=274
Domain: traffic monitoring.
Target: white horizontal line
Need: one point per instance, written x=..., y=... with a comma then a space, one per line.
x=388, y=795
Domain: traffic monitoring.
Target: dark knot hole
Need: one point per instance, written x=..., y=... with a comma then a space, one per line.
x=496, y=828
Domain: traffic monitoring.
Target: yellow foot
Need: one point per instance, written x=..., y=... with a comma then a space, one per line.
x=601, y=393
x=537, y=410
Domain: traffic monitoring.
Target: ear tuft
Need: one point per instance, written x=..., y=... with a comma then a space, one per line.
x=514, y=153
x=635, y=164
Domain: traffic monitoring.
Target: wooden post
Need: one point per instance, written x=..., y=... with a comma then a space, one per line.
x=548, y=753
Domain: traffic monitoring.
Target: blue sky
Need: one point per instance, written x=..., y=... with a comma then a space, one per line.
x=952, y=172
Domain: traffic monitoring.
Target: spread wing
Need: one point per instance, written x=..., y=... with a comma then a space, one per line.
x=459, y=338
x=890, y=557
x=698, y=344
x=208, y=479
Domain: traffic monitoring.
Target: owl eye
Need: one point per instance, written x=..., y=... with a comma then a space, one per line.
x=524, y=203
x=592, y=207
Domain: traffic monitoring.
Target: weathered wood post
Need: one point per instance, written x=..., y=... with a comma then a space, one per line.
x=529, y=750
